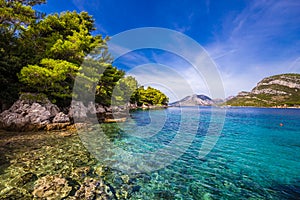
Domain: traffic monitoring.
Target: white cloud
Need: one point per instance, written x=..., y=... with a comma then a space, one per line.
x=257, y=42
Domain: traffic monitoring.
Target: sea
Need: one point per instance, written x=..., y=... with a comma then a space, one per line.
x=174, y=153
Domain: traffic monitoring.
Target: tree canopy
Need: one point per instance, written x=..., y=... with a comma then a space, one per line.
x=149, y=96
x=15, y=17
x=44, y=54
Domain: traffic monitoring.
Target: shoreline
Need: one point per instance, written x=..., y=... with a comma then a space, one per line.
x=79, y=116
x=273, y=107
x=38, y=115
x=228, y=106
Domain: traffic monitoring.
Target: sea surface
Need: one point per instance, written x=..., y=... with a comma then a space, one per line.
x=175, y=153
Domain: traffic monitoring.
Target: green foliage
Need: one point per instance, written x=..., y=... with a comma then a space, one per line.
x=44, y=55
x=149, y=96
x=31, y=98
x=107, y=83
x=288, y=96
x=124, y=91
x=65, y=39
x=15, y=17
x=66, y=36
x=51, y=77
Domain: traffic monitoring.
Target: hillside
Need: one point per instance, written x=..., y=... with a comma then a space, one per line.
x=278, y=90
x=194, y=100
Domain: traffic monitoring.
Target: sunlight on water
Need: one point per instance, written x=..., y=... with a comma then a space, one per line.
x=254, y=157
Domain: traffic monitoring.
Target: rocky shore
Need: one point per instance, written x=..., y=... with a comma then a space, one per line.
x=31, y=113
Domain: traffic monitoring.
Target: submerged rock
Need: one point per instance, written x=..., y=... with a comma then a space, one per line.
x=26, y=178
x=94, y=189
x=57, y=126
x=51, y=187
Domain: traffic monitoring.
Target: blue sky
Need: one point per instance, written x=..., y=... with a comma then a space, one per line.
x=247, y=40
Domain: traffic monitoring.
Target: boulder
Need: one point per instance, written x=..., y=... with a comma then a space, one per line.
x=57, y=126
x=100, y=109
x=78, y=111
x=26, y=115
x=61, y=118
x=91, y=108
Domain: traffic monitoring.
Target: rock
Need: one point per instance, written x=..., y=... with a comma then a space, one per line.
x=100, y=112
x=57, y=126
x=78, y=126
x=26, y=115
x=91, y=108
x=51, y=187
x=125, y=178
x=144, y=106
x=81, y=172
x=126, y=191
x=61, y=118
x=66, y=133
x=108, y=109
x=102, y=171
x=78, y=111
x=15, y=193
x=100, y=108
x=132, y=106
x=94, y=189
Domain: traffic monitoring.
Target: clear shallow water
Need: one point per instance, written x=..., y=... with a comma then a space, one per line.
x=254, y=157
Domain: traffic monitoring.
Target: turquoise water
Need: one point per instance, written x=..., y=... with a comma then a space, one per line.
x=155, y=155
x=254, y=157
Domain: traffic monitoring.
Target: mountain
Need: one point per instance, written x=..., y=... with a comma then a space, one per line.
x=194, y=100
x=279, y=90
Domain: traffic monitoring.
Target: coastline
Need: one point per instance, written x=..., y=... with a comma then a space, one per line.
x=274, y=107
x=32, y=114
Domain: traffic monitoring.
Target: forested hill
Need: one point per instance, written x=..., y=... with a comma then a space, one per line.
x=278, y=90
x=43, y=54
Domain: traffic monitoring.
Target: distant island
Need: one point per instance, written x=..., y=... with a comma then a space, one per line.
x=281, y=90
x=194, y=100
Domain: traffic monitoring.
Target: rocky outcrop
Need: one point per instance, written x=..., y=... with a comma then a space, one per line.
x=25, y=115
x=61, y=118
x=78, y=112
x=194, y=100
x=279, y=90
x=34, y=112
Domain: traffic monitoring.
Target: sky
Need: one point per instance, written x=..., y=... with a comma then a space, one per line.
x=245, y=40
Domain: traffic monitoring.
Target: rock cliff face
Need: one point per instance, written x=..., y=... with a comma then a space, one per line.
x=279, y=90
x=194, y=100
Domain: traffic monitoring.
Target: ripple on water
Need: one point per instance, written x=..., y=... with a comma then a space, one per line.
x=253, y=159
